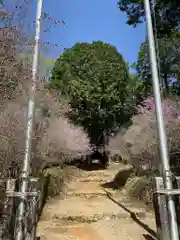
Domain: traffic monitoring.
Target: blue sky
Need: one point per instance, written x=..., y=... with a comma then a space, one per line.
x=94, y=20
x=89, y=21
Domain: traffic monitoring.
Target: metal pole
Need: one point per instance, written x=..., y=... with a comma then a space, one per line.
x=167, y=177
x=29, y=130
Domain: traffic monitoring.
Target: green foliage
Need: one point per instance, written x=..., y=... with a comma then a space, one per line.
x=95, y=78
x=138, y=87
x=167, y=13
x=168, y=61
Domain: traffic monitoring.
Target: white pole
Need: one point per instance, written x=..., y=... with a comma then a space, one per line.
x=167, y=177
x=19, y=235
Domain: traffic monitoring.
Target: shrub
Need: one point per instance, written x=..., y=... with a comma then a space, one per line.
x=140, y=143
x=57, y=179
x=140, y=188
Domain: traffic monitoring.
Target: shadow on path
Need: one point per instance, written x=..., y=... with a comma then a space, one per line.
x=152, y=236
x=148, y=237
x=83, y=165
x=112, y=185
x=91, y=167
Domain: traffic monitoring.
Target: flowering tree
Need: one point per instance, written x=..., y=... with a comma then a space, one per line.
x=170, y=108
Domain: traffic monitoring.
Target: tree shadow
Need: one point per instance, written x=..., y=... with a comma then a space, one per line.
x=148, y=237
x=93, y=162
x=112, y=185
x=119, y=180
x=91, y=167
x=152, y=235
x=84, y=165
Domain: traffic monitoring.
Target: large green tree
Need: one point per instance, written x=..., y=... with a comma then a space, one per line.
x=168, y=50
x=167, y=13
x=95, y=79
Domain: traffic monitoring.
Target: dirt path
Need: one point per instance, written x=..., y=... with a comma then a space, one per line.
x=91, y=212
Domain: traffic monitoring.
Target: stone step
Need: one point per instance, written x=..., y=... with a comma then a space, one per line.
x=90, y=211
x=84, y=187
x=84, y=195
x=97, y=179
x=81, y=209
x=104, y=175
x=125, y=229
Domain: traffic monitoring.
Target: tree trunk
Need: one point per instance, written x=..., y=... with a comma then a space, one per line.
x=105, y=148
x=166, y=83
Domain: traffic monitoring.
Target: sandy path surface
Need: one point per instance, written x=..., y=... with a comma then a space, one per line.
x=91, y=212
